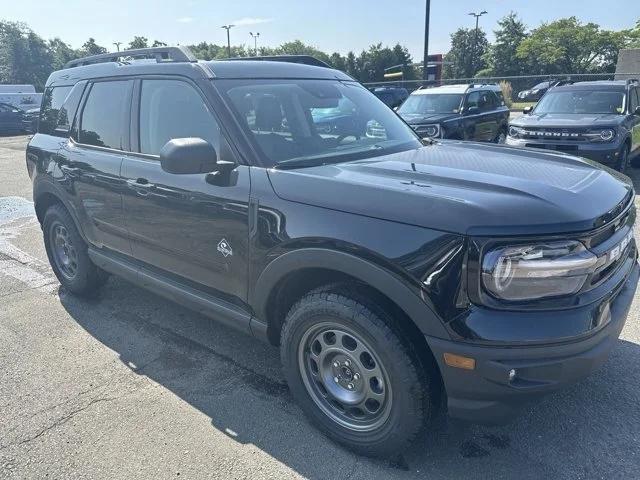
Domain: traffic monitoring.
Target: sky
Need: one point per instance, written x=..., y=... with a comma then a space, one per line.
x=330, y=25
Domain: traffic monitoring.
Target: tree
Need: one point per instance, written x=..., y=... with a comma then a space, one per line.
x=24, y=56
x=138, y=42
x=569, y=46
x=460, y=61
x=61, y=53
x=501, y=57
x=158, y=43
x=90, y=47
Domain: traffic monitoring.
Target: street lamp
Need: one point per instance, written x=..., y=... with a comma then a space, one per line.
x=475, y=39
x=227, y=28
x=255, y=42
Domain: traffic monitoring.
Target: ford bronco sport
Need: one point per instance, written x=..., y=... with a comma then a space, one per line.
x=390, y=272
x=597, y=120
x=462, y=112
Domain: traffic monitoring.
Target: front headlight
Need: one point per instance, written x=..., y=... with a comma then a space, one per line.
x=601, y=135
x=515, y=132
x=528, y=272
x=431, y=131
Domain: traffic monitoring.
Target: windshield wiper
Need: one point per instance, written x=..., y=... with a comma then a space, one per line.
x=323, y=159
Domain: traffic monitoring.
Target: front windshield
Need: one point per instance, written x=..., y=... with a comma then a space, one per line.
x=426, y=103
x=315, y=121
x=581, y=101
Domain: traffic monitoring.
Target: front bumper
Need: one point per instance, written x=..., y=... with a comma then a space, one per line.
x=605, y=153
x=487, y=395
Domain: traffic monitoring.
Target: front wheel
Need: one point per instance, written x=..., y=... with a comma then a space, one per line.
x=622, y=160
x=353, y=373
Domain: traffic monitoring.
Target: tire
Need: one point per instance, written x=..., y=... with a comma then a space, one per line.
x=501, y=137
x=623, y=160
x=403, y=388
x=67, y=253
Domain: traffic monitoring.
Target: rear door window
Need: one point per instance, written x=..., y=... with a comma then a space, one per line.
x=105, y=115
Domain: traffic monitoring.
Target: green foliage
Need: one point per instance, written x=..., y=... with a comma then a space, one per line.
x=501, y=58
x=467, y=54
x=90, y=47
x=138, y=42
x=569, y=46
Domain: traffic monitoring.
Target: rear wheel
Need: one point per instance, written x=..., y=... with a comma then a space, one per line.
x=502, y=136
x=353, y=373
x=67, y=253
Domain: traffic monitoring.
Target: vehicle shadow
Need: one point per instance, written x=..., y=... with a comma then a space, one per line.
x=589, y=430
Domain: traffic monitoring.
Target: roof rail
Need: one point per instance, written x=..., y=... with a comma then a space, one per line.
x=161, y=54
x=304, y=59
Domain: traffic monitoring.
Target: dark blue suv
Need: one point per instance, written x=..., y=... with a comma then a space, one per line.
x=597, y=120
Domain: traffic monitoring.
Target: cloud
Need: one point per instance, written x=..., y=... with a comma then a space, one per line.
x=246, y=21
x=185, y=19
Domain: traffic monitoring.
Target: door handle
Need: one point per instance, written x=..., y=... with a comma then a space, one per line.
x=70, y=170
x=141, y=186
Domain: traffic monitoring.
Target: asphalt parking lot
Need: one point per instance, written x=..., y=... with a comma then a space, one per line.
x=129, y=385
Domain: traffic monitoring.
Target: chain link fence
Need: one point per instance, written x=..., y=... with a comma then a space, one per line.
x=511, y=85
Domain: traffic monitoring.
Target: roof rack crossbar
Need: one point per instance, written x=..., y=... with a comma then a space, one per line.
x=161, y=54
x=303, y=59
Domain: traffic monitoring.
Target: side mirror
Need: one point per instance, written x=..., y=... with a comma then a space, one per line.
x=527, y=110
x=472, y=110
x=637, y=111
x=188, y=156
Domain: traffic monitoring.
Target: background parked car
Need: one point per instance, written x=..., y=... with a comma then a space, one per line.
x=13, y=120
x=598, y=120
x=536, y=92
x=391, y=96
x=464, y=112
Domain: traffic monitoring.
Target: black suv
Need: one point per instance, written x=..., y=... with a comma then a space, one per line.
x=597, y=120
x=462, y=112
x=391, y=96
x=388, y=271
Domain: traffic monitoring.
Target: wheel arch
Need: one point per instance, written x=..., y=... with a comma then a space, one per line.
x=295, y=273
x=46, y=194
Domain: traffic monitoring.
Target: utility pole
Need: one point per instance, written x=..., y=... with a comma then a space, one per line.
x=227, y=28
x=117, y=44
x=425, y=62
x=475, y=40
x=255, y=42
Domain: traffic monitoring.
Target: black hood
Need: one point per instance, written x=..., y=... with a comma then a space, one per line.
x=566, y=120
x=422, y=118
x=465, y=188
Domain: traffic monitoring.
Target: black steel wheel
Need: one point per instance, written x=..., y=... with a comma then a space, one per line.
x=344, y=377
x=67, y=253
x=354, y=371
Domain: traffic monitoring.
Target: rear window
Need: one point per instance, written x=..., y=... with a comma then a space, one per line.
x=105, y=115
x=52, y=101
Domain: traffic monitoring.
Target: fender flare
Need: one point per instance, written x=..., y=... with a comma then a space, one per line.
x=377, y=277
x=47, y=186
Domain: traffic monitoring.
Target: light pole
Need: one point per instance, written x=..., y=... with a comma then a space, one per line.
x=255, y=42
x=425, y=62
x=117, y=44
x=475, y=40
x=227, y=28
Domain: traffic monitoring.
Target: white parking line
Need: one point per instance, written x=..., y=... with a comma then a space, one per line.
x=17, y=214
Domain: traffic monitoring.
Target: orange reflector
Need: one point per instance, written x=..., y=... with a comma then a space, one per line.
x=458, y=361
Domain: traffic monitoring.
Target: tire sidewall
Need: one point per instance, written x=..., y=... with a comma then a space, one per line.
x=81, y=280
x=408, y=391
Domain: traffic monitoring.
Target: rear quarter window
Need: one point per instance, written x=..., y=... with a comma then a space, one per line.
x=52, y=101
